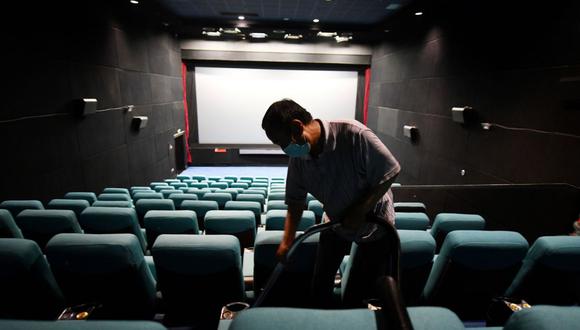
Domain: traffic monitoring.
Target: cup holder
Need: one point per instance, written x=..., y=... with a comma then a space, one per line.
x=374, y=304
x=230, y=310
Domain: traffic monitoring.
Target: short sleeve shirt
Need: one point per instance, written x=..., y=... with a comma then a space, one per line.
x=353, y=161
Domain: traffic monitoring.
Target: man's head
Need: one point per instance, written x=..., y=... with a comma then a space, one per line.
x=284, y=122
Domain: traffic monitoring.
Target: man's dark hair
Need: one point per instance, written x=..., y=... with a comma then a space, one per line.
x=281, y=113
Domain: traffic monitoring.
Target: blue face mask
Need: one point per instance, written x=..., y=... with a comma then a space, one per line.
x=297, y=150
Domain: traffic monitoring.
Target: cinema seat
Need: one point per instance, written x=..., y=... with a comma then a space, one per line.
x=178, y=185
x=17, y=206
x=179, y=198
x=199, y=185
x=220, y=198
x=411, y=220
x=113, y=204
x=135, y=189
x=80, y=325
x=275, y=220
x=231, y=177
x=417, y=252
x=293, y=286
x=183, y=177
x=241, y=224
x=198, y=191
x=116, y=191
x=445, y=223
x=154, y=185
x=472, y=268
x=252, y=198
x=161, y=188
x=200, y=208
x=170, y=181
x=199, y=177
x=276, y=205
x=168, y=192
x=259, y=185
x=255, y=207
x=8, y=228
x=240, y=185
x=108, y=269
x=260, y=191
x=144, y=205
x=220, y=185
x=410, y=207
x=114, y=197
x=545, y=318
x=29, y=290
x=550, y=272
x=75, y=205
x=198, y=274
x=88, y=196
x=317, y=207
x=41, y=225
x=169, y=222
x=277, y=196
x=422, y=318
x=146, y=195
x=246, y=178
x=112, y=220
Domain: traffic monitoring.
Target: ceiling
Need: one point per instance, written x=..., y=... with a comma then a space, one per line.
x=276, y=18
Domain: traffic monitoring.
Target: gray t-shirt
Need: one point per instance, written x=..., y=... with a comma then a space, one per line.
x=353, y=160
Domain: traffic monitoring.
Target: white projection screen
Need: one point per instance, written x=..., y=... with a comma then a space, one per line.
x=232, y=101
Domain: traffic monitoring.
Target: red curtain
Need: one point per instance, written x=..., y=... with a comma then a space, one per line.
x=367, y=90
x=185, y=109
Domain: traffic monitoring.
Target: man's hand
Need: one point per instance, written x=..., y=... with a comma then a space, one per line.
x=282, y=250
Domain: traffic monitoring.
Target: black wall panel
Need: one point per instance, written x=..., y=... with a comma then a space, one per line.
x=95, y=49
x=519, y=71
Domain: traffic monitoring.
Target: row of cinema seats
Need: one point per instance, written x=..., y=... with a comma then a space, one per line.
x=294, y=292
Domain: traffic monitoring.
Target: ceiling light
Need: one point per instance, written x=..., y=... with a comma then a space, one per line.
x=241, y=18
x=230, y=30
x=135, y=2
x=258, y=35
x=286, y=19
x=419, y=13
x=211, y=33
x=290, y=36
x=326, y=34
x=316, y=20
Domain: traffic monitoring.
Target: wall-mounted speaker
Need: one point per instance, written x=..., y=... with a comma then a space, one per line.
x=87, y=106
x=139, y=122
x=410, y=132
x=463, y=115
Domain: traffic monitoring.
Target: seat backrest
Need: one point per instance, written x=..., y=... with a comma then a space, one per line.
x=144, y=205
x=198, y=274
x=252, y=198
x=17, y=206
x=8, y=228
x=410, y=207
x=544, y=317
x=277, y=196
x=113, y=204
x=114, y=197
x=255, y=207
x=41, y=225
x=183, y=177
x=151, y=194
x=293, y=285
x=80, y=325
x=179, y=198
x=220, y=198
x=29, y=290
x=473, y=267
x=112, y=220
x=550, y=272
x=417, y=252
x=276, y=205
x=411, y=220
x=76, y=205
x=240, y=185
x=241, y=224
x=169, y=222
x=445, y=223
x=168, y=192
x=200, y=208
x=108, y=269
x=90, y=197
x=317, y=207
x=111, y=190
x=275, y=220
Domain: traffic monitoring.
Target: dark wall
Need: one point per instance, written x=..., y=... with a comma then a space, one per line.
x=517, y=64
x=97, y=49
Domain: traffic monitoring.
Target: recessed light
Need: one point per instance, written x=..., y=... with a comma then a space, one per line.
x=135, y=2
x=241, y=18
x=326, y=34
x=316, y=20
x=286, y=19
x=419, y=13
x=258, y=35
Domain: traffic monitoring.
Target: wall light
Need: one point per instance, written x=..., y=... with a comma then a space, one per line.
x=241, y=18
x=419, y=13
x=316, y=20
x=135, y=2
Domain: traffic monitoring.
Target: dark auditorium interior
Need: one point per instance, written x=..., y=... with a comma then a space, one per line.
x=138, y=189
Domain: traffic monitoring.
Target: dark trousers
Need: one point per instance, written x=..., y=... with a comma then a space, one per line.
x=368, y=263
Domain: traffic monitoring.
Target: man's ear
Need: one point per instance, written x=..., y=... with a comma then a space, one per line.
x=296, y=129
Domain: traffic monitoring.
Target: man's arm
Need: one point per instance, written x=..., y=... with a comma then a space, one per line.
x=355, y=214
x=293, y=217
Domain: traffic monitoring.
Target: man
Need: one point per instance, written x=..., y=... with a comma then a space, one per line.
x=346, y=167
